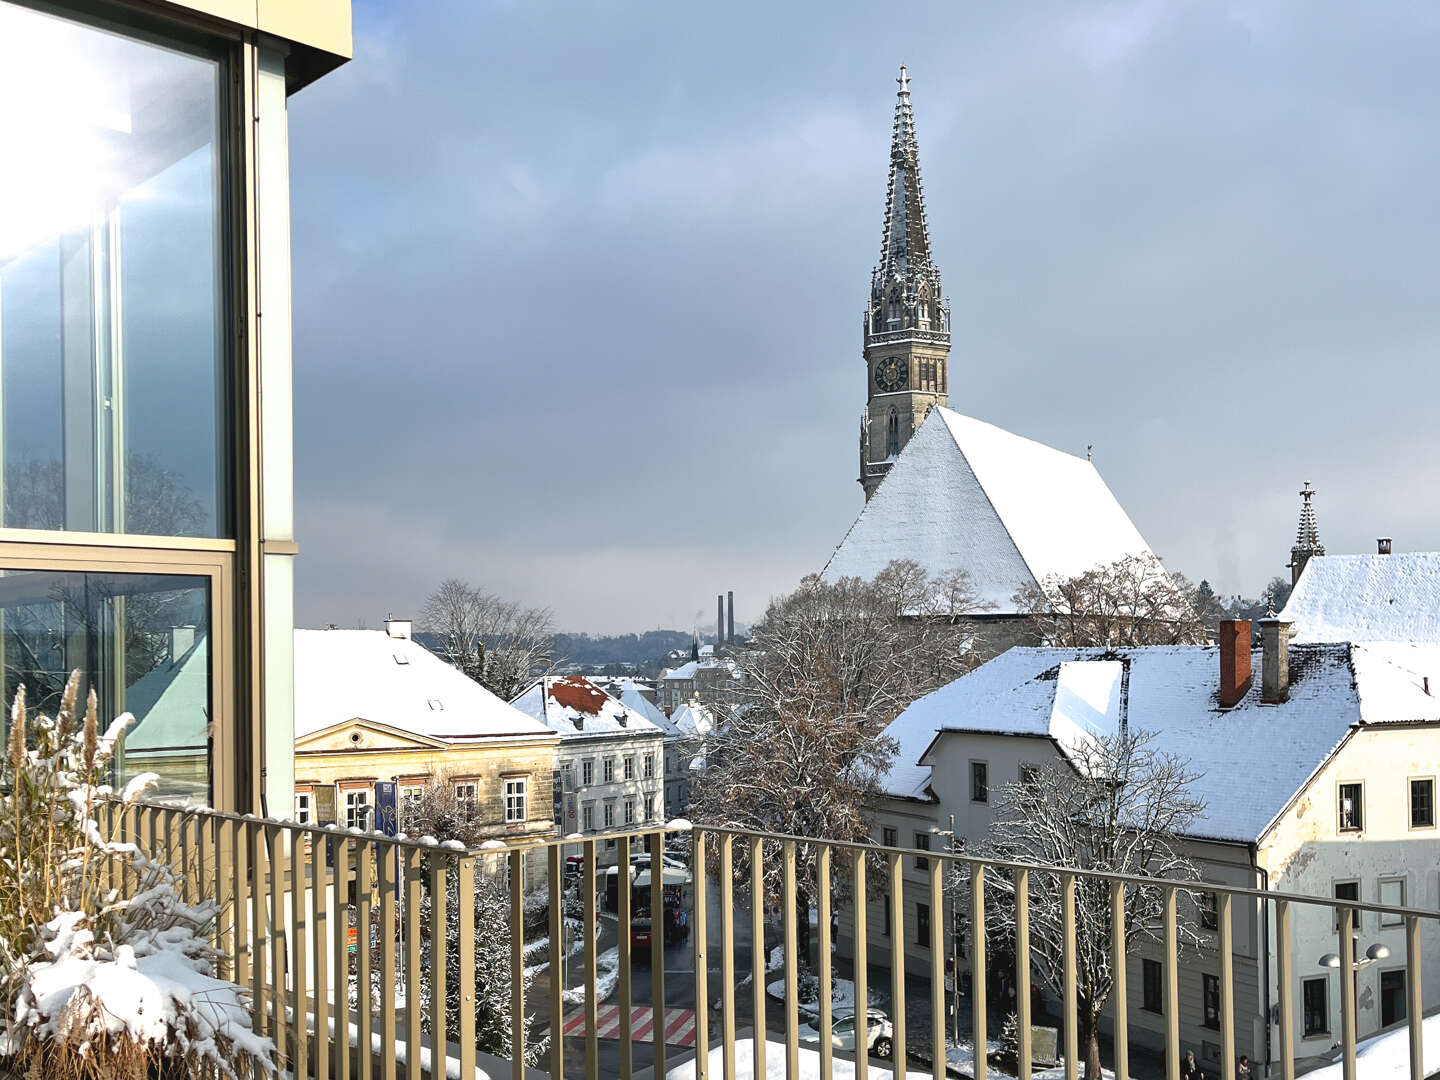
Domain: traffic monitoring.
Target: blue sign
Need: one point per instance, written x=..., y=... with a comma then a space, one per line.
x=387, y=807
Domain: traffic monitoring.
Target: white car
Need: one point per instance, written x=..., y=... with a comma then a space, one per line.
x=879, y=1033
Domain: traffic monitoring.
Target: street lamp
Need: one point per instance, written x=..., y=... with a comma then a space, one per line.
x=1373, y=953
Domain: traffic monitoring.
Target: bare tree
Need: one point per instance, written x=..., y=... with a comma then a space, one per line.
x=1132, y=601
x=499, y=643
x=800, y=750
x=1119, y=805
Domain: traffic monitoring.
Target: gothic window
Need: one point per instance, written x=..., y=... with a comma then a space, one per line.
x=892, y=436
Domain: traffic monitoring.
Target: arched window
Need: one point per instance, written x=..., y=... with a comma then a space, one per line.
x=892, y=437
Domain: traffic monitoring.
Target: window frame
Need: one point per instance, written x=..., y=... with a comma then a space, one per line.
x=1152, y=1003
x=980, y=792
x=1306, y=1031
x=607, y=769
x=922, y=843
x=1209, y=907
x=1335, y=895
x=304, y=792
x=1391, y=921
x=587, y=772
x=922, y=925
x=889, y=836
x=368, y=802
x=629, y=767
x=1429, y=781
x=1404, y=977
x=521, y=792
x=1359, y=814
x=1210, y=1001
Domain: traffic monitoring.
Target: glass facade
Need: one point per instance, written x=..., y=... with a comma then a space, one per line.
x=141, y=641
x=113, y=341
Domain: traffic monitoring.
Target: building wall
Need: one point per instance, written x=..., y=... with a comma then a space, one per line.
x=1306, y=852
x=576, y=750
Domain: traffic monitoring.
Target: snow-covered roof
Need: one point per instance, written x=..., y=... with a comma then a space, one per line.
x=629, y=694
x=967, y=495
x=1070, y=694
x=577, y=708
x=343, y=675
x=1367, y=598
x=692, y=719
x=684, y=671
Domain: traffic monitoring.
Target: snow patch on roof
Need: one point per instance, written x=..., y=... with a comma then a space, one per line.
x=1087, y=701
x=343, y=675
x=967, y=495
x=575, y=706
x=1367, y=598
x=692, y=719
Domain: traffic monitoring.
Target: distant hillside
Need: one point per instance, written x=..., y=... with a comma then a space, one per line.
x=597, y=651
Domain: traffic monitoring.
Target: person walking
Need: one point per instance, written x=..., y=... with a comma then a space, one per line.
x=1243, y=1071
x=1190, y=1068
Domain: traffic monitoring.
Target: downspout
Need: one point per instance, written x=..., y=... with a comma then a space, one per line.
x=1265, y=951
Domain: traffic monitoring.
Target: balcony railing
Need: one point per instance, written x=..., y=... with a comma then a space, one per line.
x=313, y=916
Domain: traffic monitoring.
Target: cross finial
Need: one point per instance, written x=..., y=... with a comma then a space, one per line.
x=904, y=81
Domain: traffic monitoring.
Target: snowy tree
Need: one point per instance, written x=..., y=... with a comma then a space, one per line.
x=499, y=643
x=800, y=749
x=1118, y=805
x=1132, y=601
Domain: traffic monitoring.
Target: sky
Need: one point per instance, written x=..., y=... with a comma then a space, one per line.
x=578, y=286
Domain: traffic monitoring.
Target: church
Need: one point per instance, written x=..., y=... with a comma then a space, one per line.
x=948, y=491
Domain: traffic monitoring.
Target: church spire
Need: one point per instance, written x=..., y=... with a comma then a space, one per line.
x=1307, y=536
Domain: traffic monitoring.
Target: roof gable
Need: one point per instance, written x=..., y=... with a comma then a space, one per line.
x=1367, y=598
x=967, y=495
x=361, y=735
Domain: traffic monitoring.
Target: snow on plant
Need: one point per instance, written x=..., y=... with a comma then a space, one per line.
x=98, y=984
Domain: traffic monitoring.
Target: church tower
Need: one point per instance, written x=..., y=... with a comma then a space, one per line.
x=1307, y=537
x=907, y=323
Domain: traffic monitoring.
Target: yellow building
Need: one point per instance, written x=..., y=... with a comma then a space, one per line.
x=375, y=705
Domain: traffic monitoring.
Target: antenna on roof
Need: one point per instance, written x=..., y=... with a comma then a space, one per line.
x=1089, y=451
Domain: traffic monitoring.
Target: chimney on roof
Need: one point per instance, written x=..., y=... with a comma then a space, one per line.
x=398, y=628
x=1234, y=661
x=1384, y=545
x=730, y=617
x=719, y=620
x=1275, y=660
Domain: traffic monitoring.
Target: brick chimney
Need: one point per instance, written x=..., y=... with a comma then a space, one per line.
x=1234, y=661
x=1275, y=661
x=1383, y=544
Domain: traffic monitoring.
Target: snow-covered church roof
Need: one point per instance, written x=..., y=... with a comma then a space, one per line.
x=1367, y=598
x=967, y=495
x=577, y=708
x=1067, y=695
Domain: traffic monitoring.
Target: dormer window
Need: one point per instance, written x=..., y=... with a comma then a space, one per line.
x=436, y=705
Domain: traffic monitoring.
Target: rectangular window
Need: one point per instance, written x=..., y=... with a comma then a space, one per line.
x=1347, y=890
x=649, y=766
x=629, y=768
x=922, y=925
x=1150, y=986
x=1352, y=807
x=411, y=797
x=1392, y=894
x=979, y=781
x=143, y=642
x=516, y=789
x=609, y=815
x=1211, y=994
x=357, y=808
x=1392, y=997
x=1209, y=911
x=1422, y=803
x=302, y=807
x=649, y=807
x=467, y=799
x=567, y=777
x=1029, y=774
x=922, y=841
x=629, y=810
x=608, y=770
x=1315, y=999
x=587, y=817
x=113, y=281
x=889, y=837
x=587, y=772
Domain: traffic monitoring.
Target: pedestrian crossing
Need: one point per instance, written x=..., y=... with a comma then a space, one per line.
x=679, y=1024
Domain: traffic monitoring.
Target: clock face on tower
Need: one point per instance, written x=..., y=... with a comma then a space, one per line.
x=891, y=374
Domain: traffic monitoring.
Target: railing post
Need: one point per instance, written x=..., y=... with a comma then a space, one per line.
x=260, y=928
x=1414, y=997
x=319, y=934
x=240, y=889
x=341, y=944
x=939, y=1030
x=657, y=950
x=792, y=986
x=897, y=965
x=757, y=953
x=298, y=952
x=1071, y=1017
x=827, y=1005
x=698, y=882
x=977, y=965
x=592, y=1041
x=410, y=877
x=439, y=946
x=557, y=966
x=624, y=902
x=1286, y=978
x=1347, y=992
x=517, y=965
x=1021, y=886
x=1118, y=990
x=1172, y=988
x=862, y=964
x=465, y=976
x=278, y=958
x=1227, y=985
x=727, y=956
x=388, y=886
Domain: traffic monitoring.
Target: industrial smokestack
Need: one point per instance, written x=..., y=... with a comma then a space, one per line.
x=730, y=618
x=720, y=620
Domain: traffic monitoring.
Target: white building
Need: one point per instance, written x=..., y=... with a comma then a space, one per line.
x=611, y=758
x=1328, y=791
x=685, y=732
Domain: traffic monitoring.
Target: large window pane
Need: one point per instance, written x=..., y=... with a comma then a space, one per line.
x=141, y=640
x=112, y=343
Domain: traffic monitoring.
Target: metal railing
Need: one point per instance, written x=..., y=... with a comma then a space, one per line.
x=314, y=917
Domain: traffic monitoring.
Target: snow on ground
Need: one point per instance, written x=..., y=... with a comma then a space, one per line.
x=775, y=1065
x=842, y=997
x=1387, y=1057
x=962, y=1059
x=607, y=975
x=402, y=1054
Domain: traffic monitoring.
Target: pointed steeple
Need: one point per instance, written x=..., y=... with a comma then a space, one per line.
x=905, y=285
x=1307, y=536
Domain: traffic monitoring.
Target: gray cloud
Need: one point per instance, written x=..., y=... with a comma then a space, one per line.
x=577, y=289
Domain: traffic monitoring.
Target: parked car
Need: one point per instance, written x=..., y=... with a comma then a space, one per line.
x=879, y=1033
x=640, y=938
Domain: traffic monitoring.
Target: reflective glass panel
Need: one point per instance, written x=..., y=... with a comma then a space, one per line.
x=141, y=640
x=112, y=340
